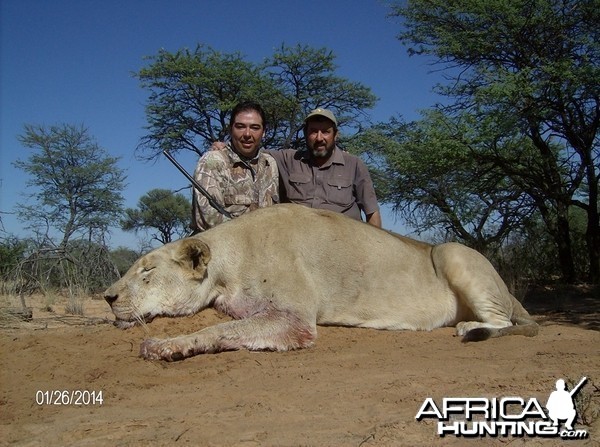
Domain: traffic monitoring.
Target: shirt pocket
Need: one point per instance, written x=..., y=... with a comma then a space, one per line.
x=240, y=190
x=300, y=184
x=238, y=204
x=340, y=191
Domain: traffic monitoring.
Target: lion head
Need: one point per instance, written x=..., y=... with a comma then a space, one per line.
x=164, y=282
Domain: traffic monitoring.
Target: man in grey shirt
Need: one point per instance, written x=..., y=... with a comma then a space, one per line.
x=323, y=176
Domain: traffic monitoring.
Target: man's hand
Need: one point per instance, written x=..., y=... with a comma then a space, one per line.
x=374, y=219
x=218, y=146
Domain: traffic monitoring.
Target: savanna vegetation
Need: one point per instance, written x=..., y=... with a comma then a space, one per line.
x=508, y=164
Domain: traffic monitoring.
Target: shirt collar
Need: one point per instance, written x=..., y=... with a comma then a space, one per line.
x=236, y=158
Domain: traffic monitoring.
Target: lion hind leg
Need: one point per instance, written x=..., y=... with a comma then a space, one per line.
x=486, y=309
x=491, y=316
x=497, y=319
x=272, y=331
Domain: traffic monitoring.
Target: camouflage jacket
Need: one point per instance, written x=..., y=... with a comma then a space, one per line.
x=239, y=186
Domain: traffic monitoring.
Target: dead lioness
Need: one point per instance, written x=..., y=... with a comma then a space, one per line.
x=282, y=270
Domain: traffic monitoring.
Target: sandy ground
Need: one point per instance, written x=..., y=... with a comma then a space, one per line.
x=356, y=387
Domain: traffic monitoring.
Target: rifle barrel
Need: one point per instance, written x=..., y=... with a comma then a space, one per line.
x=201, y=190
x=579, y=385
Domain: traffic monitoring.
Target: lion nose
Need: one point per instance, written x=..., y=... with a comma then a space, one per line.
x=110, y=298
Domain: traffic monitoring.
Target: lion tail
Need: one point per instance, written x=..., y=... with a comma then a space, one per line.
x=522, y=324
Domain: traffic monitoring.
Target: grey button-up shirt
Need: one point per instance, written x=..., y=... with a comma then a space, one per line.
x=343, y=184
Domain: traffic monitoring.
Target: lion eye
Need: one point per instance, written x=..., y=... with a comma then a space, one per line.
x=147, y=269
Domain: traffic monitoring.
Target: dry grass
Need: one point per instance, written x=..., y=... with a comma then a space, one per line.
x=52, y=309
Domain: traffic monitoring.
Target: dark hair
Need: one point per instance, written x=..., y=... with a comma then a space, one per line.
x=246, y=106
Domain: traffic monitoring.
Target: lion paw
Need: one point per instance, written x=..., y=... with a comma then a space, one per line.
x=156, y=349
x=465, y=326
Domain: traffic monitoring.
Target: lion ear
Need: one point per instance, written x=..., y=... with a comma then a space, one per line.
x=194, y=254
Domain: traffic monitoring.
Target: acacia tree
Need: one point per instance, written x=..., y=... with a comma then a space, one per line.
x=162, y=210
x=77, y=185
x=306, y=78
x=192, y=94
x=427, y=171
x=537, y=62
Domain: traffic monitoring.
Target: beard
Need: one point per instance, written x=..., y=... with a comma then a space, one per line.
x=322, y=151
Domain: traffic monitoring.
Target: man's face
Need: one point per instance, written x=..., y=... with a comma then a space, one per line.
x=247, y=132
x=320, y=138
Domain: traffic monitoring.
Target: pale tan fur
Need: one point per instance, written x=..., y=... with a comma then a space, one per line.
x=282, y=270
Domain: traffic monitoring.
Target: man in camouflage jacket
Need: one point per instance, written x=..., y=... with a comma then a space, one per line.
x=241, y=177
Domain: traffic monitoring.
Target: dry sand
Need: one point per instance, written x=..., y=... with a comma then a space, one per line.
x=355, y=387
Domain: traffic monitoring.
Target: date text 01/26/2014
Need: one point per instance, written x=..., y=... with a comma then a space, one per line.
x=68, y=397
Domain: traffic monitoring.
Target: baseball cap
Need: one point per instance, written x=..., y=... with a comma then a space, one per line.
x=322, y=112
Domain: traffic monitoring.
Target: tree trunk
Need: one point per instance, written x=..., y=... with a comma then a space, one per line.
x=592, y=237
x=557, y=223
x=592, y=234
x=565, y=252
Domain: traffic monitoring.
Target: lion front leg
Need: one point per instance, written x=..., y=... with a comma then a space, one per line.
x=275, y=331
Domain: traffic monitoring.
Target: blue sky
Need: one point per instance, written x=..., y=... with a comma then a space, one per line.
x=71, y=62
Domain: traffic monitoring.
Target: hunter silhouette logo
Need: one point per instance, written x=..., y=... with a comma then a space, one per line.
x=560, y=404
x=506, y=416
